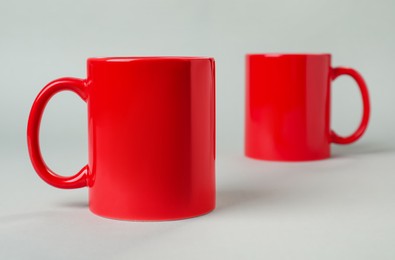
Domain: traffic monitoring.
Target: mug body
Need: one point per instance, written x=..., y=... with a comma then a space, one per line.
x=287, y=106
x=151, y=137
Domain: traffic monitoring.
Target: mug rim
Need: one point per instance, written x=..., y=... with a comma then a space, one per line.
x=279, y=54
x=147, y=58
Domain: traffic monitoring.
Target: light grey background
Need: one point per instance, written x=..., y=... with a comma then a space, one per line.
x=342, y=208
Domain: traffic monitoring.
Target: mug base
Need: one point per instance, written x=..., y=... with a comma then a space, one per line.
x=152, y=218
x=287, y=159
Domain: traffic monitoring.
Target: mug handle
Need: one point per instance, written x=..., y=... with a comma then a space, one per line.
x=77, y=86
x=335, y=138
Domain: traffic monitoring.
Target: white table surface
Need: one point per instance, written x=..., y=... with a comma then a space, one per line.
x=341, y=208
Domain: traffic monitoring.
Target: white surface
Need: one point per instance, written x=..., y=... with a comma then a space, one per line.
x=341, y=208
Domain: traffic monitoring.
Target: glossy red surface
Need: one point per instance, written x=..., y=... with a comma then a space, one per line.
x=151, y=123
x=288, y=106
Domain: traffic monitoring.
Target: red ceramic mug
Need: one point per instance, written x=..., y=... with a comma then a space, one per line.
x=288, y=106
x=151, y=123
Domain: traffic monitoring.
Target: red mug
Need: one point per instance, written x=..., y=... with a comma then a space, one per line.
x=288, y=106
x=151, y=123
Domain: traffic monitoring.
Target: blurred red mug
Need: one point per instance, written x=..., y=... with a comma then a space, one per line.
x=288, y=106
x=151, y=123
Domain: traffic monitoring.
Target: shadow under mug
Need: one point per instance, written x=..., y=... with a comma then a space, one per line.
x=151, y=123
x=287, y=116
